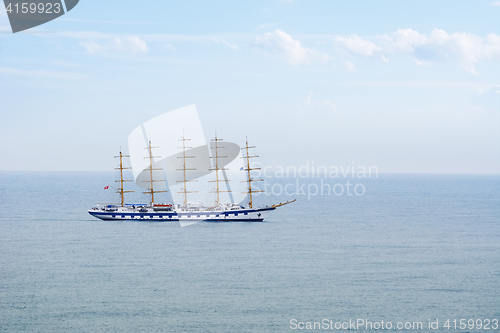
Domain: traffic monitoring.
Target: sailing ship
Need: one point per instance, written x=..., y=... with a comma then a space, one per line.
x=180, y=171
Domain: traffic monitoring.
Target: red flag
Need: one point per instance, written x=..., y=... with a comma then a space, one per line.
x=106, y=187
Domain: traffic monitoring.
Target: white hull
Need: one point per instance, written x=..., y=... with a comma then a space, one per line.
x=180, y=214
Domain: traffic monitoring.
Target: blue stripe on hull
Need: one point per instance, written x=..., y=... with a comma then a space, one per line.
x=108, y=217
x=228, y=220
x=177, y=218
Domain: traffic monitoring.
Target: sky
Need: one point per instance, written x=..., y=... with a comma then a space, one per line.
x=407, y=86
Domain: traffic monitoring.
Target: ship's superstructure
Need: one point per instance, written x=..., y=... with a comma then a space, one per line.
x=184, y=174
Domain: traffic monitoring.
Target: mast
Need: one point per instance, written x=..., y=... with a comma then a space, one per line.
x=216, y=169
x=151, y=180
x=184, y=169
x=121, y=188
x=249, y=176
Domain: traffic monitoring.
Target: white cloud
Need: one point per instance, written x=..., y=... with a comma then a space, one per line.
x=231, y=46
x=169, y=46
x=495, y=3
x=282, y=44
x=438, y=46
x=406, y=40
x=349, y=66
x=426, y=49
x=129, y=44
x=308, y=100
x=462, y=48
x=330, y=105
x=492, y=48
x=162, y=38
x=223, y=42
x=309, y=104
x=357, y=45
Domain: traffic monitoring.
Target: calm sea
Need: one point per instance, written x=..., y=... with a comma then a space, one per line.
x=412, y=248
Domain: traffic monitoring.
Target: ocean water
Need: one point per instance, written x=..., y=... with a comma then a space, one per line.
x=412, y=248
